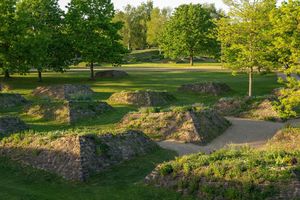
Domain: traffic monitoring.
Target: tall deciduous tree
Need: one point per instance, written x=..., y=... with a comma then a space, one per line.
x=245, y=37
x=94, y=34
x=156, y=24
x=188, y=33
x=135, y=19
x=8, y=32
x=286, y=34
x=286, y=41
x=42, y=41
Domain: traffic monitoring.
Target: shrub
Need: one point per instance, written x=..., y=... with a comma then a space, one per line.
x=166, y=169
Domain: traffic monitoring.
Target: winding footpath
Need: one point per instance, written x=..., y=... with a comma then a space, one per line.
x=250, y=132
x=254, y=133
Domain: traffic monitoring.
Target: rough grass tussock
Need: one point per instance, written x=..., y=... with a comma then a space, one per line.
x=142, y=98
x=179, y=123
x=271, y=172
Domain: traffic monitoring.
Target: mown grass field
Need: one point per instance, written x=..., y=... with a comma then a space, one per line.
x=138, y=80
x=124, y=181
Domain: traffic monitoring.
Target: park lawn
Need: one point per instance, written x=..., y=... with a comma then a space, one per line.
x=206, y=66
x=138, y=80
x=197, y=65
x=121, y=182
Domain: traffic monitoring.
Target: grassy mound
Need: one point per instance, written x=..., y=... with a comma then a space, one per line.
x=186, y=124
x=261, y=107
x=244, y=173
x=211, y=88
x=10, y=100
x=67, y=111
x=142, y=98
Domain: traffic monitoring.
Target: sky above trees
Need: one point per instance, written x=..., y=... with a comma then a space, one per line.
x=120, y=4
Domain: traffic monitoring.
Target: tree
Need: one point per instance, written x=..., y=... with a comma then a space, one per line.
x=42, y=43
x=286, y=34
x=245, y=38
x=155, y=25
x=188, y=33
x=94, y=34
x=135, y=19
x=8, y=34
x=286, y=41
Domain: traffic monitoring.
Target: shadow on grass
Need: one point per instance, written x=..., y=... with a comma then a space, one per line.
x=124, y=182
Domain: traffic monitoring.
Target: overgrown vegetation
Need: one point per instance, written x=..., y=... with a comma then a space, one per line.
x=237, y=173
x=233, y=174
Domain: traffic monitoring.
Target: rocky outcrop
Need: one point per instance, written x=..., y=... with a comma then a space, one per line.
x=9, y=125
x=68, y=111
x=211, y=88
x=188, y=126
x=9, y=100
x=76, y=157
x=64, y=92
x=111, y=74
x=142, y=98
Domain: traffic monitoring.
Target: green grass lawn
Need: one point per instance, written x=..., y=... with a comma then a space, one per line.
x=124, y=181
x=206, y=66
x=169, y=81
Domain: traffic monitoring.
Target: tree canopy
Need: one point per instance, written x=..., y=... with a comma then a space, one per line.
x=155, y=25
x=245, y=36
x=286, y=42
x=41, y=40
x=189, y=31
x=135, y=19
x=8, y=36
x=93, y=33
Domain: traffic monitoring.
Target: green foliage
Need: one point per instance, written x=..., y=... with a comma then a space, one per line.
x=245, y=36
x=9, y=58
x=158, y=19
x=286, y=35
x=289, y=99
x=42, y=43
x=189, y=31
x=134, y=19
x=95, y=36
x=166, y=169
x=248, y=173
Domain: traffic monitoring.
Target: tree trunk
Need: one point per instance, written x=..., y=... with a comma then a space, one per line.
x=128, y=46
x=92, y=71
x=40, y=79
x=287, y=66
x=250, y=82
x=6, y=74
x=192, y=60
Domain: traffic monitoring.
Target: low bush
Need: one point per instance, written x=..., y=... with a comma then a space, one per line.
x=231, y=173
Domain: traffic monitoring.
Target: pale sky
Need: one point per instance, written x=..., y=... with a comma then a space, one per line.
x=120, y=4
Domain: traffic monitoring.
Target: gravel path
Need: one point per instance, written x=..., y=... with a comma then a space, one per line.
x=242, y=132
